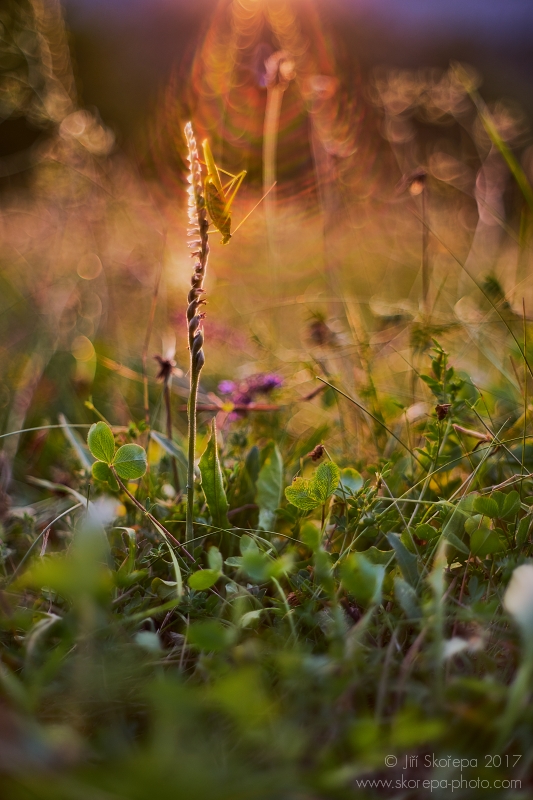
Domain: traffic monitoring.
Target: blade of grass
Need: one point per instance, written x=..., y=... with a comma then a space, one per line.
x=376, y=419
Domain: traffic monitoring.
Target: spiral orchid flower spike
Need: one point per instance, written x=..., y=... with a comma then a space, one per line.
x=199, y=244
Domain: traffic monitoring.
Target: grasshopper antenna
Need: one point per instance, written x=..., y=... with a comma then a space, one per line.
x=253, y=209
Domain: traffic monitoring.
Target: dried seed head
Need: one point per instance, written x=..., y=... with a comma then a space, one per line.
x=317, y=453
x=279, y=69
x=442, y=410
x=198, y=242
x=166, y=368
x=413, y=182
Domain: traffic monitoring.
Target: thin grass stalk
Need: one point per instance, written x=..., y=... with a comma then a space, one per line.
x=524, y=333
x=168, y=410
x=425, y=255
x=279, y=72
x=198, y=241
x=148, y=336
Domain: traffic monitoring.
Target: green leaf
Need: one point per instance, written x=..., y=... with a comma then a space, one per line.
x=362, y=579
x=170, y=447
x=163, y=588
x=474, y=523
x=500, y=500
x=269, y=485
x=130, y=462
x=426, y=532
x=324, y=481
x=174, y=450
x=175, y=564
x=101, y=472
x=455, y=522
x=485, y=541
x=324, y=571
x=250, y=618
x=204, y=579
x=406, y=597
x=407, y=539
x=523, y=530
x=148, y=640
x=311, y=535
x=101, y=442
x=511, y=505
x=246, y=543
x=350, y=482
x=253, y=464
x=453, y=528
x=434, y=385
x=210, y=635
x=214, y=558
x=408, y=562
x=256, y=565
x=299, y=495
x=486, y=506
x=376, y=556
x=234, y=561
x=129, y=564
x=281, y=566
x=84, y=456
x=454, y=540
x=212, y=482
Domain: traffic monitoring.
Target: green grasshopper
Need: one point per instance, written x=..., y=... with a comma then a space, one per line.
x=219, y=197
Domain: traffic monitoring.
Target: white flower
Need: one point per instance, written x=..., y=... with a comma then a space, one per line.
x=457, y=645
x=104, y=510
x=518, y=598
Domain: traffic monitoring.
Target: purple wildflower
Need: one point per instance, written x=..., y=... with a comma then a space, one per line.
x=244, y=393
x=271, y=382
x=226, y=387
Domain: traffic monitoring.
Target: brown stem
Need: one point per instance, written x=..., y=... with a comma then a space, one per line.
x=237, y=407
x=247, y=507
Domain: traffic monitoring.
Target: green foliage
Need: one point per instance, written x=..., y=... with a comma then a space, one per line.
x=103, y=473
x=486, y=506
x=213, y=482
x=484, y=542
x=101, y=442
x=248, y=648
x=362, y=579
x=210, y=635
x=299, y=494
x=351, y=481
x=130, y=462
x=204, y=579
x=269, y=485
x=308, y=494
x=311, y=535
x=407, y=598
x=406, y=560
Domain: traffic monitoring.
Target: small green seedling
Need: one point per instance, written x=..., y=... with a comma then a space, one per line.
x=127, y=463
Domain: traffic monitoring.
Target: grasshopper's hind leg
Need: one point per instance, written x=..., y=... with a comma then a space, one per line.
x=232, y=187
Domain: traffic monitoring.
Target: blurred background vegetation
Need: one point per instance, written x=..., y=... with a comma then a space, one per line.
x=395, y=220
x=343, y=104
